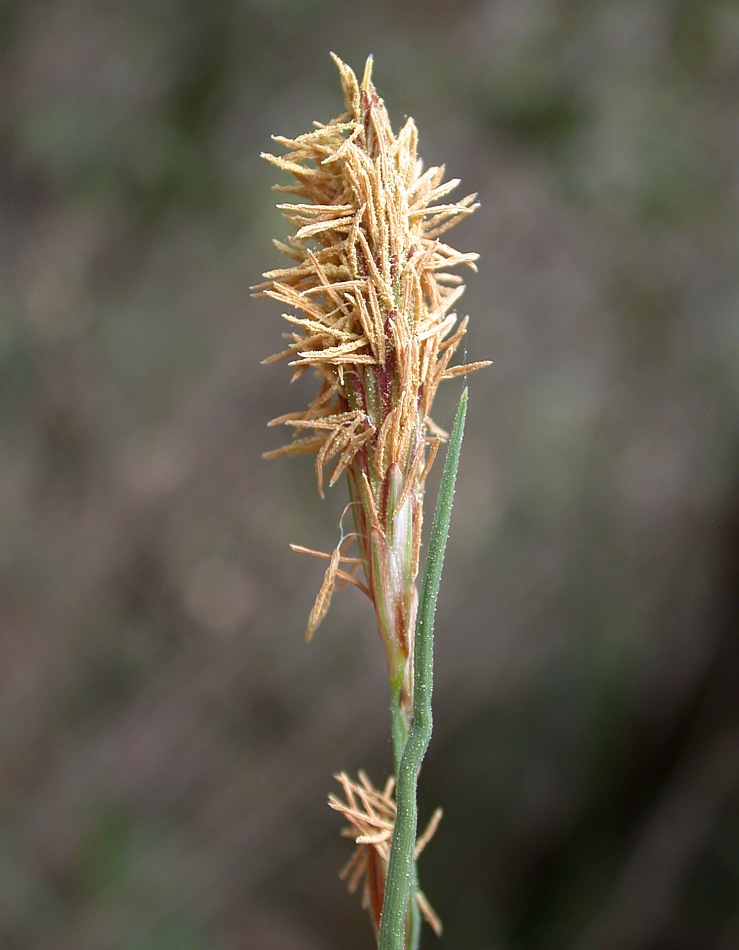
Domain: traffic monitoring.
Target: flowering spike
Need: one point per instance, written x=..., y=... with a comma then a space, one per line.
x=370, y=292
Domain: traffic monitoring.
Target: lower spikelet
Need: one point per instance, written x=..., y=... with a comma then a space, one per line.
x=371, y=817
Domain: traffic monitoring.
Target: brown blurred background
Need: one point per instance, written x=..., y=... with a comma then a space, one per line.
x=167, y=740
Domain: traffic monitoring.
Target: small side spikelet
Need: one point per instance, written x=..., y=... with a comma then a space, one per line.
x=371, y=816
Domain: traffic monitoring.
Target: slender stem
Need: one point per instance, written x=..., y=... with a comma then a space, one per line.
x=413, y=936
x=401, y=875
x=398, y=726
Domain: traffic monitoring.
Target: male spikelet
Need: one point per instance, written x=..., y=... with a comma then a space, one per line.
x=371, y=301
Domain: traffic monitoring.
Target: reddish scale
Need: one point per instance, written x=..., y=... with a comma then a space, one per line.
x=401, y=625
x=361, y=260
x=367, y=106
x=375, y=886
x=387, y=377
x=394, y=269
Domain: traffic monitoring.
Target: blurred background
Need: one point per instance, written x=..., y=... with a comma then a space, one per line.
x=167, y=739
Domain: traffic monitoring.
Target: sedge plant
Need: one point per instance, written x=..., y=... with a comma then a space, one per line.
x=370, y=292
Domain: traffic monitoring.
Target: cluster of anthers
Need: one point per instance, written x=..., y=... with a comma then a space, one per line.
x=372, y=300
x=370, y=814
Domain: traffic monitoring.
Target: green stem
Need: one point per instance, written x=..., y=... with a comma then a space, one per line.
x=401, y=874
x=413, y=938
x=399, y=729
x=398, y=726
